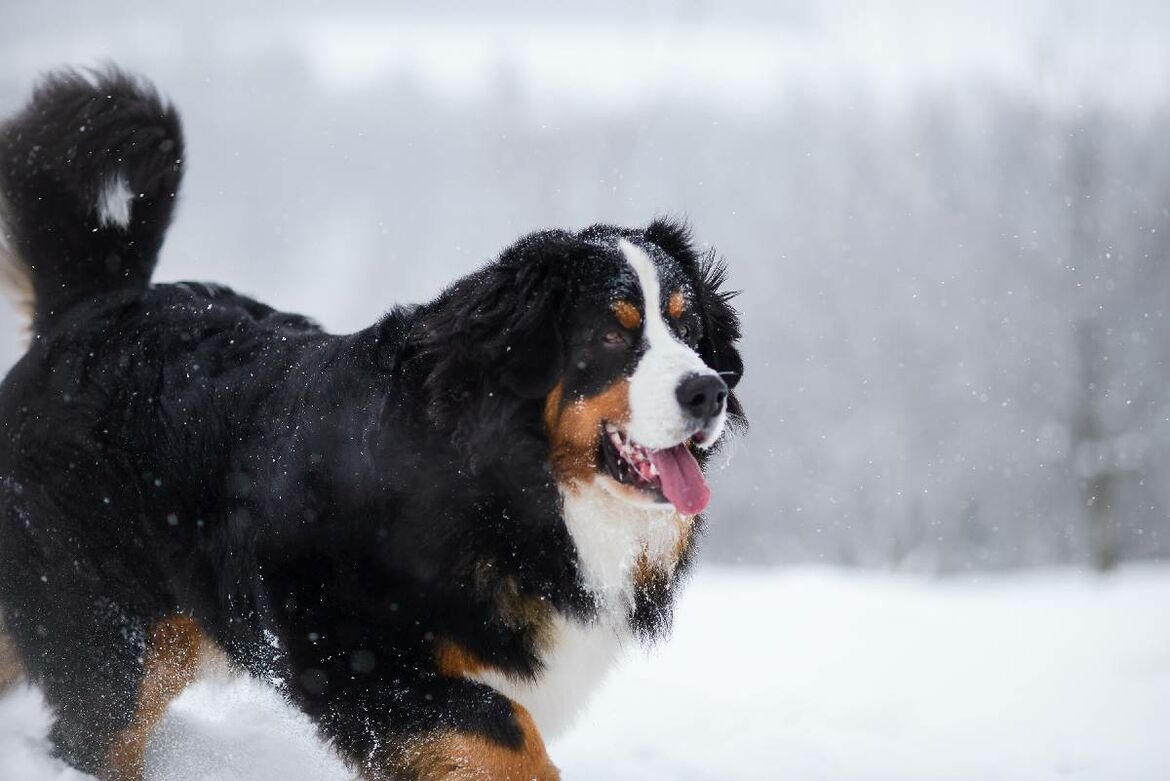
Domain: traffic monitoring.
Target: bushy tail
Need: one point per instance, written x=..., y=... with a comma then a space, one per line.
x=89, y=171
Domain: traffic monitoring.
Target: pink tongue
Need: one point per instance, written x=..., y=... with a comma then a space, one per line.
x=682, y=481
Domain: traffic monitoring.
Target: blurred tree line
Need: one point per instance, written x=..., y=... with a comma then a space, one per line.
x=955, y=300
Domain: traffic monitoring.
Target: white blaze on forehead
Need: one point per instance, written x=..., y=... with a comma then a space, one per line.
x=656, y=417
x=647, y=274
x=113, y=203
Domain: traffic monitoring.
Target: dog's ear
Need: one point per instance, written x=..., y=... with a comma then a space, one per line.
x=500, y=328
x=721, y=329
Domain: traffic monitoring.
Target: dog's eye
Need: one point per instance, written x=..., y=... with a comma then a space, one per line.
x=613, y=337
x=684, y=331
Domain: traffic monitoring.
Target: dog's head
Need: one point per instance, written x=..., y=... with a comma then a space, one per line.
x=614, y=349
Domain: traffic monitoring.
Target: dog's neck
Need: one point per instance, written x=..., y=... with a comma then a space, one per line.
x=622, y=548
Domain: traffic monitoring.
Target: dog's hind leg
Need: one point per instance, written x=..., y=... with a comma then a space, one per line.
x=173, y=651
x=11, y=670
x=442, y=729
x=108, y=681
x=86, y=661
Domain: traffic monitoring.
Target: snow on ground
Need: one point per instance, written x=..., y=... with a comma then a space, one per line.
x=796, y=674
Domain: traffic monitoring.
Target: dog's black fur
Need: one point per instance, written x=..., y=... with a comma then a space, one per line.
x=325, y=507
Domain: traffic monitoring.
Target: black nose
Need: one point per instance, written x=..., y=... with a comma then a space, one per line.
x=702, y=395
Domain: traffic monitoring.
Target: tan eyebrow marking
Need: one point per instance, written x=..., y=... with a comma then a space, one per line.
x=627, y=314
x=676, y=305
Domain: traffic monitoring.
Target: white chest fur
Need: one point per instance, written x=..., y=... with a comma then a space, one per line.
x=576, y=660
x=613, y=539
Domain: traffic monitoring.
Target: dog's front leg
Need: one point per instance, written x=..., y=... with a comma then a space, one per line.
x=444, y=729
x=450, y=754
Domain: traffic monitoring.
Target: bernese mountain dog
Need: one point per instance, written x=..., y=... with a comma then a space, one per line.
x=431, y=535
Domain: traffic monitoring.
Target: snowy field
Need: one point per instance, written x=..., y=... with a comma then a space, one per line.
x=799, y=674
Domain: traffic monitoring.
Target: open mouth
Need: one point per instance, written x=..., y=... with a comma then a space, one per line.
x=664, y=475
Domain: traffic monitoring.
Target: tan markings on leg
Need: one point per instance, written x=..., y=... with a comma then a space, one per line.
x=455, y=756
x=574, y=428
x=11, y=670
x=174, y=648
x=676, y=305
x=627, y=314
x=214, y=662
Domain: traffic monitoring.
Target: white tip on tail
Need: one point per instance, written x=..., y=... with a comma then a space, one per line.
x=113, y=203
